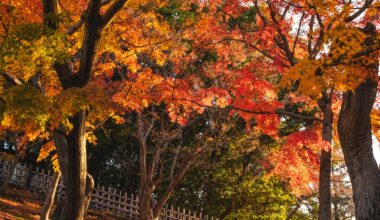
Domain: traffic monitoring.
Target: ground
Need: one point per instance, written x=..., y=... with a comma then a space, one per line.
x=23, y=205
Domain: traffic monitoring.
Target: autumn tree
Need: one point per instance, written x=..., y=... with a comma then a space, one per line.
x=233, y=181
x=276, y=55
x=347, y=64
x=227, y=76
x=57, y=68
x=297, y=50
x=86, y=61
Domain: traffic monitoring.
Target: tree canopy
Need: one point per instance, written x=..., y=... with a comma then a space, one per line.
x=244, y=95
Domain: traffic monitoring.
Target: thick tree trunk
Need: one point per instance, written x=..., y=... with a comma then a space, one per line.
x=324, y=212
x=49, y=200
x=5, y=186
x=354, y=127
x=73, y=148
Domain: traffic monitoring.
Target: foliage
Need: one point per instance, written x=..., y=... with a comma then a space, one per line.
x=242, y=59
x=231, y=183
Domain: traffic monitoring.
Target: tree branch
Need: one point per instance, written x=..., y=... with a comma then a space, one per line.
x=352, y=17
x=310, y=36
x=277, y=111
x=111, y=12
x=284, y=45
x=11, y=78
x=91, y=36
x=175, y=157
x=260, y=14
x=298, y=33
x=72, y=29
x=143, y=152
x=318, y=44
x=183, y=170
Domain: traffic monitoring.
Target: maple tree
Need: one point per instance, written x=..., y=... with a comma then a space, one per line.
x=44, y=56
x=185, y=93
x=68, y=66
x=302, y=32
x=70, y=91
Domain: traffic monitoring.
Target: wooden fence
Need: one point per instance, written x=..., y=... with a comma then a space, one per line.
x=103, y=198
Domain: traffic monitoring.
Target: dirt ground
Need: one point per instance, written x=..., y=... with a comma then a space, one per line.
x=23, y=205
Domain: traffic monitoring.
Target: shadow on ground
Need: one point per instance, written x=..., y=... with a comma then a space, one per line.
x=23, y=205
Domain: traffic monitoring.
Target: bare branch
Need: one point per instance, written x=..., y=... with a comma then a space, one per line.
x=310, y=36
x=260, y=14
x=366, y=5
x=72, y=29
x=298, y=33
x=277, y=111
x=287, y=7
x=284, y=44
x=90, y=39
x=111, y=12
x=182, y=171
x=175, y=157
x=292, y=4
x=11, y=78
x=143, y=152
x=319, y=42
x=149, y=129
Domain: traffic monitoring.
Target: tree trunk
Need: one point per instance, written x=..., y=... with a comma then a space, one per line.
x=324, y=212
x=145, y=204
x=354, y=128
x=49, y=200
x=89, y=188
x=7, y=179
x=73, y=148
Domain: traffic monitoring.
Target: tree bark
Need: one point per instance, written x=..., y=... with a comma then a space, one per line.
x=90, y=184
x=49, y=200
x=324, y=212
x=71, y=148
x=145, y=204
x=72, y=157
x=354, y=127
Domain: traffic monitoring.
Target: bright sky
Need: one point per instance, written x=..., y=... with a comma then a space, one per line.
x=376, y=149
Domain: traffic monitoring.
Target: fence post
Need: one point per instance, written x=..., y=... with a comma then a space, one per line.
x=131, y=207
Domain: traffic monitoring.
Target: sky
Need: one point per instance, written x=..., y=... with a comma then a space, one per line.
x=376, y=149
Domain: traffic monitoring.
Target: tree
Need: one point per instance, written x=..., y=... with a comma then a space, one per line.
x=354, y=126
x=71, y=145
x=232, y=181
x=203, y=84
x=49, y=200
x=76, y=69
x=312, y=71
